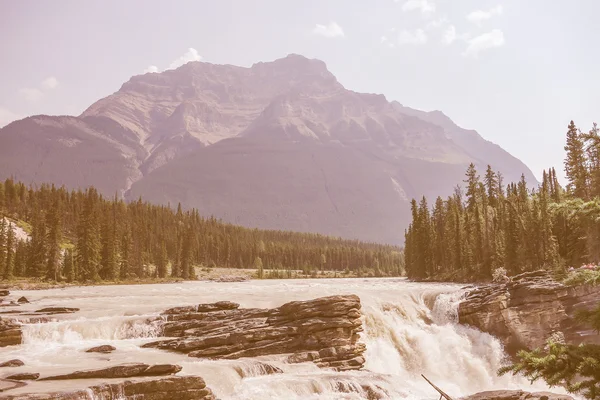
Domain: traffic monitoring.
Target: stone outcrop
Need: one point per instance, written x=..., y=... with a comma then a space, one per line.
x=57, y=310
x=324, y=331
x=106, y=348
x=10, y=332
x=12, y=363
x=166, y=388
x=524, y=312
x=517, y=395
x=119, y=371
x=24, y=376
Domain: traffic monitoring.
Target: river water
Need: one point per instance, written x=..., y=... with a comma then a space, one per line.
x=409, y=329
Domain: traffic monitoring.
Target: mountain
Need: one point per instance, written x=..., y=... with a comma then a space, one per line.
x=278, y=145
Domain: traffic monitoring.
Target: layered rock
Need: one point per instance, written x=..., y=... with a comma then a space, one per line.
x=524, y=312
x=119, y=371
x=516, y=395
x=324, y=331
x=169, y=388
x=10, y=332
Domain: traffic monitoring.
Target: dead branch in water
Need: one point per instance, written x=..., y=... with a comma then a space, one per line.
x=440, y=391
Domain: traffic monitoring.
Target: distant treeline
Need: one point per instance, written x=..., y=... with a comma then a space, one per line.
x=83, y=236
x=488, y=226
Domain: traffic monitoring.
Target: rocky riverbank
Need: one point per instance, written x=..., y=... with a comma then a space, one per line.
x=526, y=311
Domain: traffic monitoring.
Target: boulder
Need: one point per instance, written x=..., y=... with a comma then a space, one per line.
x=119, y=371
x=516, y=395
x=526, y=311
x=57, y=310
x=12, y=363
x=324, y=331
x=25, y=376
x=22, y=300
x=4, y=292
x=164, y=388
x=106, y=348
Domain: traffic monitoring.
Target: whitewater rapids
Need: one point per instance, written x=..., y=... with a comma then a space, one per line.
x=409, y=329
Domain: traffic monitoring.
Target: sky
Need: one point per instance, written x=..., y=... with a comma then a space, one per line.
x=516, y=71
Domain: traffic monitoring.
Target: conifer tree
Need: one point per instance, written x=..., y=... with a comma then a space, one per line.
x=10, y=253
x=575, y=163
x=54, y=240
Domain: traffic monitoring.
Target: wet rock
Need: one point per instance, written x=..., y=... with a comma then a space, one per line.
x=229, y=279
x=6, y=384
x=524, y=312
x=516, y=395
x=324, y=331
x=22, y=300
x=164, y=388
x=4, y=292
x=12, y=363
x=10, y=332
x=257, y=369
x=25, y=376
x=57, y=310
x=106, y=348
x=119, y=371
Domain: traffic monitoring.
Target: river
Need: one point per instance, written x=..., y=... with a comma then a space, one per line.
x=409, y=329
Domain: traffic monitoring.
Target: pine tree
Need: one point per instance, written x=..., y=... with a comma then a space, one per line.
x=54, y=240
x=575, y=163
x=88, y=239
x=10, y=253
x=162, y=261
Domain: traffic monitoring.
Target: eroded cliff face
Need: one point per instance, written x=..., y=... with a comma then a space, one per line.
x=526, y=311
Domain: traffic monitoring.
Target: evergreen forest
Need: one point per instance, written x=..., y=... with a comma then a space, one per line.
x=489, y=225
x=82, y=236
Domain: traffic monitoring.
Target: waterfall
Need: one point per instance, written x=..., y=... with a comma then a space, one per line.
x=409, y=329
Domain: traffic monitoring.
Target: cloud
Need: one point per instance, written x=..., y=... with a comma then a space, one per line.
x=384, y=40
x=450, y=35
x=423, y=5
x=7, y=116
x=151, y=68
x=436, y=23
x=417, y=37
x=478, y=16
x=330, y=30
x=494, y=38
x=32, y=95
x=50, y=83
x=190, y=55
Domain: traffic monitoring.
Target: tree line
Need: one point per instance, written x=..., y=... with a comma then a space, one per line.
x=489, y=225
x=82, y=236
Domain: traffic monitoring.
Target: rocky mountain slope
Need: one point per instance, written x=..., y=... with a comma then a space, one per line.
x=278, y=145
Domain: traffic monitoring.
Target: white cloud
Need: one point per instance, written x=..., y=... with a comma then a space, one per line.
x=494, y=38
x=7, y=116
x=31, y=94
x=423, y=5
x=436, y=23
x=449, y=35
x=330, y=30
x=151, y=68
x=190, y=55
x=417, y=37
x=384, y=40
x=50, y=83
x=478, y=16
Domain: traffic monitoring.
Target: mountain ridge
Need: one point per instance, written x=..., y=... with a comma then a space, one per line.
x=220, y=137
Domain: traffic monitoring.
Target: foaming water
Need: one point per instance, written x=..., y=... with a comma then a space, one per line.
x=409, y=329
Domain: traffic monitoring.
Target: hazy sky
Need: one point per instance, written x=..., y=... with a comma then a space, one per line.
x=515, y=70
